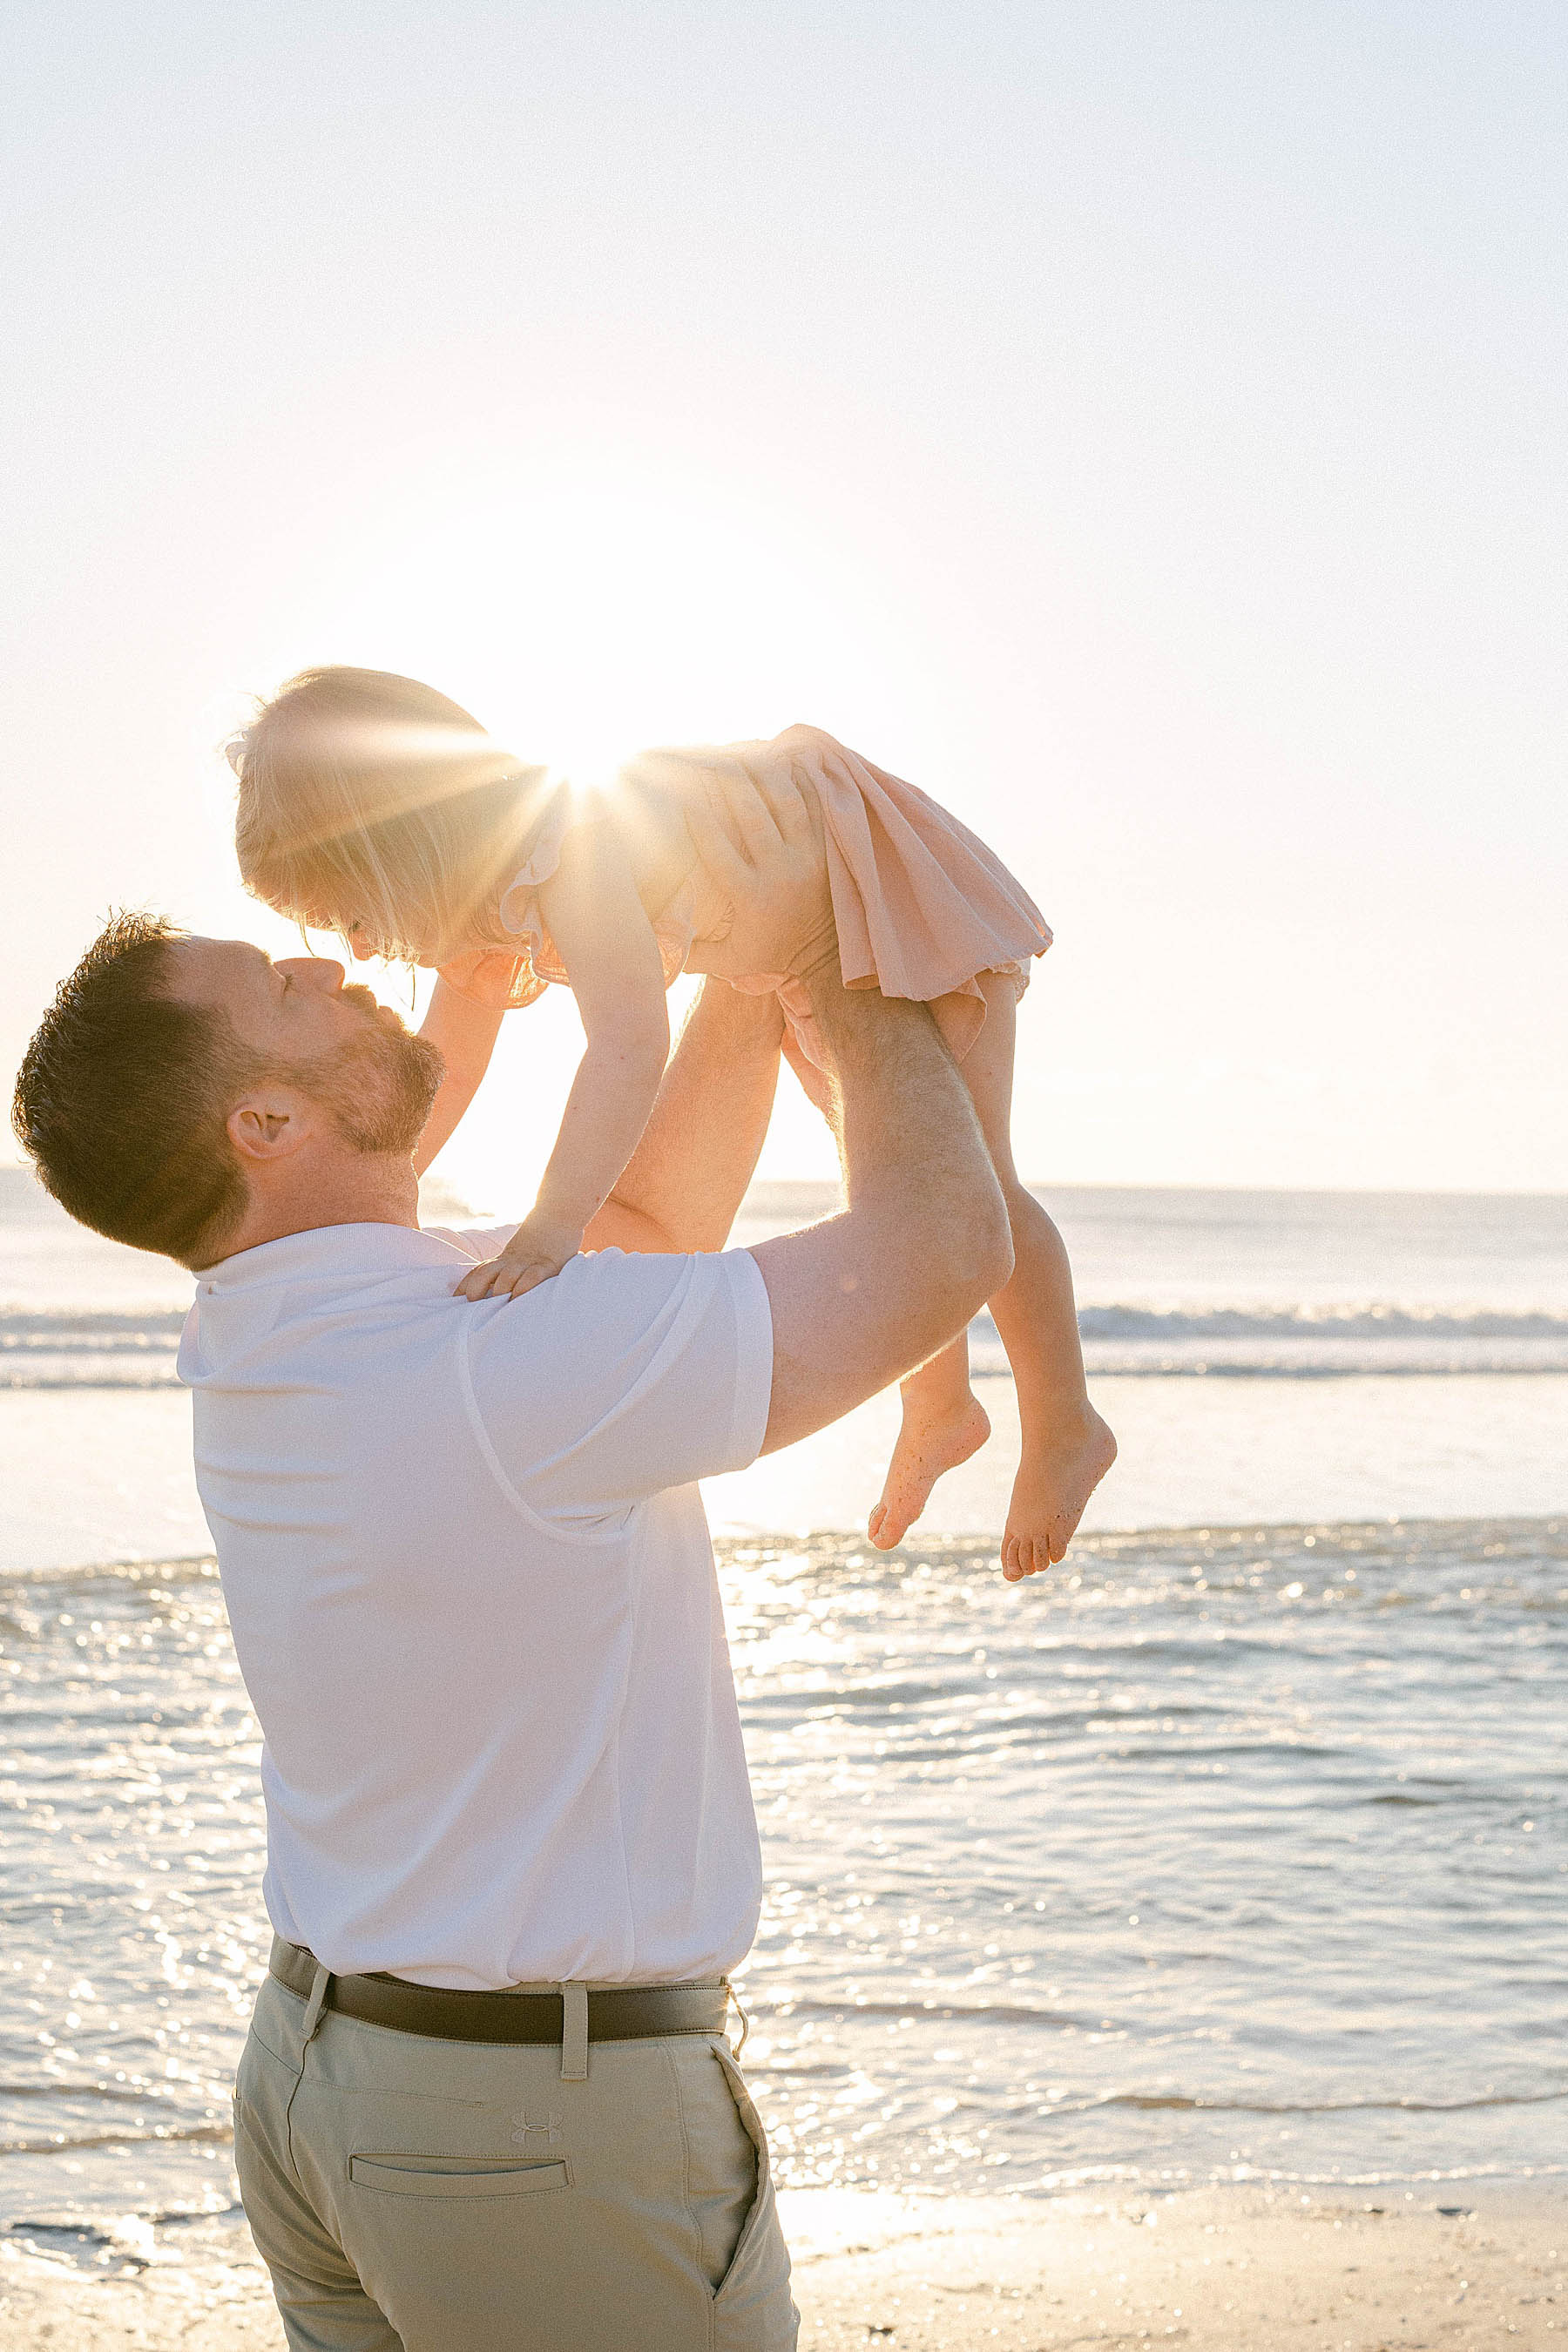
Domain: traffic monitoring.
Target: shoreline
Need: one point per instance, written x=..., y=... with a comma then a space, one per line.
x=1234, y=2269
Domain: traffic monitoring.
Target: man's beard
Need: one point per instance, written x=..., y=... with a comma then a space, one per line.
x=378, y=1087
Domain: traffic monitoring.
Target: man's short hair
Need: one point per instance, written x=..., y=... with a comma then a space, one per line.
x=124, y=1095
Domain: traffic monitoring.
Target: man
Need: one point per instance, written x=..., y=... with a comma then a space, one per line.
x=488, y=2100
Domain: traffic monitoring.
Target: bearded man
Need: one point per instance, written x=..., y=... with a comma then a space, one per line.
x=487, y=2099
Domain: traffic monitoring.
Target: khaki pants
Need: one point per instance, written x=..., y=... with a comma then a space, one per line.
x=412, y=2195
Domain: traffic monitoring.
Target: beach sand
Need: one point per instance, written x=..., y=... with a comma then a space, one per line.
x=1213, y=2271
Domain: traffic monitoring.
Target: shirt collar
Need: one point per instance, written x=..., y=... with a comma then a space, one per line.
x=332, y=1252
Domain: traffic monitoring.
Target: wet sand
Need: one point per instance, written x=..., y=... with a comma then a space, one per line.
x=1213, y=2271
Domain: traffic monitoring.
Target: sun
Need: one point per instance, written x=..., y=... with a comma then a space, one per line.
x=585, y=600
x=591, y=602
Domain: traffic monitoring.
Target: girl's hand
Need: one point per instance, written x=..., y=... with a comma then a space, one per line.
x=486, y=976
x=537, y=1250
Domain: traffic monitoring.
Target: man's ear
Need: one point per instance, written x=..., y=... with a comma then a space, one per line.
x=269, y=1125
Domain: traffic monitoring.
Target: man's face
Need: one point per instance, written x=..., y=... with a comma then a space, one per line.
x=336, y=1045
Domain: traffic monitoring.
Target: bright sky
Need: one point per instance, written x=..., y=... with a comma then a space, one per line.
x=1140, y=425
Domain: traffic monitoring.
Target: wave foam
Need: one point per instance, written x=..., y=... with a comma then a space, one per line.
x=135, y=1348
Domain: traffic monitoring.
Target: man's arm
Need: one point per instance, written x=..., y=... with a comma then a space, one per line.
x=682, y=1185
x=686, y=1179
x=924, y=1240
x=464, y=1029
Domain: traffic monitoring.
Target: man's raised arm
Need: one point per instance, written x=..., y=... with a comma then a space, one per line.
x=924, y=1240
x=682, y=1185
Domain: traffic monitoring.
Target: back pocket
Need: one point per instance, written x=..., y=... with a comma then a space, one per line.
x=454, y=2176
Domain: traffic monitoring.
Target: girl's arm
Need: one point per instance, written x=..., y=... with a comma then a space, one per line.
x=612, y=959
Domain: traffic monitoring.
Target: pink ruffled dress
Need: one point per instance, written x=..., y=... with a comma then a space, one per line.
x=923, y=907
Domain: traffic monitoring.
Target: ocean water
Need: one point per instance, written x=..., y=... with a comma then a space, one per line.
x=1265, y=1357
x=1238, y=1850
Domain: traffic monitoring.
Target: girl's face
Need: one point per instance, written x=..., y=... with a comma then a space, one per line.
x=361, y=938
x=363, y=944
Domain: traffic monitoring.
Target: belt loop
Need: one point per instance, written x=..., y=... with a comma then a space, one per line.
x=732, y=1995
x=573, y=2033
x=321, y=1985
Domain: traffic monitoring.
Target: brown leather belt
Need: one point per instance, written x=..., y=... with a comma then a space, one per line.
x=623, y=2013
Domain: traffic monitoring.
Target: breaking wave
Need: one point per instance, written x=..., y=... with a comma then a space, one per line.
x=135, y=1348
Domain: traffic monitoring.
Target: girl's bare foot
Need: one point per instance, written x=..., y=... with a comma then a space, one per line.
x=927, y=1445
x=1054, y=1483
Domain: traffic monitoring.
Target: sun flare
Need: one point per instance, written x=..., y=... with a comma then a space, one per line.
x=588, y=607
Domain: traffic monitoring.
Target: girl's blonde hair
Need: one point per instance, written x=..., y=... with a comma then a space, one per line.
x=368, y=800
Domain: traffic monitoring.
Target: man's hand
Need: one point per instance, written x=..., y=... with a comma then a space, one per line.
x=764, y=845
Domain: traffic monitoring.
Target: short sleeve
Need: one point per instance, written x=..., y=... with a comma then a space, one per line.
x=622, y=1376
x=519, y=909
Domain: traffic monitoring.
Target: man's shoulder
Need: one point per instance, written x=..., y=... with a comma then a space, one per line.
x=316, y=1297
x=621, y=1376
x=607, y=1305
x=606, y=1286
x=476, y=1242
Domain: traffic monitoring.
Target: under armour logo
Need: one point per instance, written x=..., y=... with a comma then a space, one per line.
x=550, y=2127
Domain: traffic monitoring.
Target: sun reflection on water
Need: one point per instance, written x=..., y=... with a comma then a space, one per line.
x=1106, y=1881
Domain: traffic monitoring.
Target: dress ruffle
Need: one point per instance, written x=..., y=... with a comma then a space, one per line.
x=520, y=911
x=924, y=908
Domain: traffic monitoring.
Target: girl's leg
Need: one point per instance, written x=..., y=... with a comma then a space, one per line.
x=1067, y=1448
x=944, y=1423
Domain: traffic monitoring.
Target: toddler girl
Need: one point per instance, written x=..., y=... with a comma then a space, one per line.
x=373, y=806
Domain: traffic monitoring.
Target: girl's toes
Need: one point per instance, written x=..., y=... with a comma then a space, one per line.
x=1025, y=1556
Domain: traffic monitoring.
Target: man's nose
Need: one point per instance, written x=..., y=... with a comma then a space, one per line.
x=325, y=974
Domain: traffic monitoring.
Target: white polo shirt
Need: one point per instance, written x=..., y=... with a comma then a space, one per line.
x=474, y=1599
